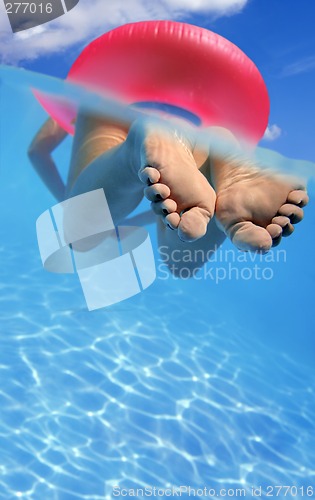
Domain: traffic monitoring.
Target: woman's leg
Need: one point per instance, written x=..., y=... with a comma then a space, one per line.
x=101, y=158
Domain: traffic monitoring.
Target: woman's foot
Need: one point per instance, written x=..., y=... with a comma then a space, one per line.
x=255, y=208
x=180, y=194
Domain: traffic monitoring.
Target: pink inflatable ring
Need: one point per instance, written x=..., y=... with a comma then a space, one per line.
x=180, y=68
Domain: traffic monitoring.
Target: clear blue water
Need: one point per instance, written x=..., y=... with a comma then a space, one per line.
x=190, y=383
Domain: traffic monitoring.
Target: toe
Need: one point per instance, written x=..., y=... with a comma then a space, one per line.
x=193, y=224
x=172, y=220
x=149, y=175
x=247, y=236
x=157, y=192
x=298, y=198
x=294, y=213
x=164, y=208
x=285, y=223
x=275, y=232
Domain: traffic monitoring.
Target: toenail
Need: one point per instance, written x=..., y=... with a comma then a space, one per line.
x=170, y=227
x=149, y=183
x=165, y=212
x=158, y=197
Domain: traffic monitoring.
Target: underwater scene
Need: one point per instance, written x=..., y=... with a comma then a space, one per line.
x=196, y=386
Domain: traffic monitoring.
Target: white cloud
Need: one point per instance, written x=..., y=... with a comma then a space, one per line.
x=304, y=65
x=88, y=20
x=272, y=133
x=213, y=7
x=23, y=35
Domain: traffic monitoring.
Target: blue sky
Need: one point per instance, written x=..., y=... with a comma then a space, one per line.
x=277, y=35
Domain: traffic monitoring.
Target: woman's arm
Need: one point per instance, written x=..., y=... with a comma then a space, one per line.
x=46, y=140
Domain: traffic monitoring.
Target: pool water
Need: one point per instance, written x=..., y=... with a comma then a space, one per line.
x=203, y=383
